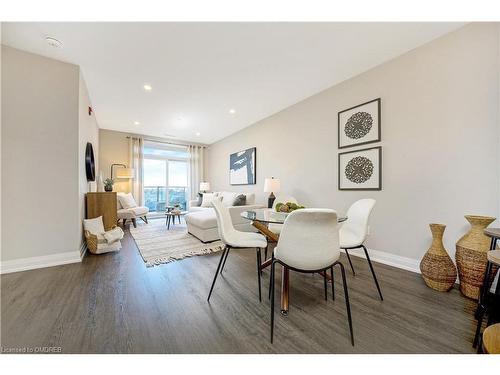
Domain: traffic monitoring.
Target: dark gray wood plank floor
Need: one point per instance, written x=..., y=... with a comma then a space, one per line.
x=114, y=304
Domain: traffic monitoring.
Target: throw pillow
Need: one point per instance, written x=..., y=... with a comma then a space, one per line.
x=94, y=226
x=227, y=198
x=240, y=200
x=207, y=199
x=127, y=200
x=200, y=199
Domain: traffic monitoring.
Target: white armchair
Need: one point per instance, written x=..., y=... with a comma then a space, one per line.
x=129, y=210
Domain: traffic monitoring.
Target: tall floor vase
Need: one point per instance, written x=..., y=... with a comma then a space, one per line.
x=438, y=270
x=471, y=255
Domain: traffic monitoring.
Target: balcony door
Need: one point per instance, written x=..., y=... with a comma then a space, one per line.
x=165, y=176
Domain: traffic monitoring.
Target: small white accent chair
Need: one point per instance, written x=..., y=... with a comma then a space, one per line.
x=309, y=243
x=234, y=239
x=355, y=230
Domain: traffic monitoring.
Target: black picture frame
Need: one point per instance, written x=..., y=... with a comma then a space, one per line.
x=251, y=150
x=379, y=121
x=379, y=148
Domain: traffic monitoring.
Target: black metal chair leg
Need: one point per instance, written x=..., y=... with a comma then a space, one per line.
x=333, y=284
x=271, y=276
x=216, y=273
x=478, y=330
x=259, y=271
x=265, y=251
x=326, y=286
x=346, y=296
x=373, y=272
x=225, y=259
x=350, y=262
x=272, y=300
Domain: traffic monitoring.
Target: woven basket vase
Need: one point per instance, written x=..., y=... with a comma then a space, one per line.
x=471, y=255
x=438, y=270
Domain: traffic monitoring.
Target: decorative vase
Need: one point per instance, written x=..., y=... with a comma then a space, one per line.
x=108, y=188
x=438, y=270
x=471, y=255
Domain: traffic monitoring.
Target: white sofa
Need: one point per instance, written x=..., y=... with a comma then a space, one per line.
x=202, y=222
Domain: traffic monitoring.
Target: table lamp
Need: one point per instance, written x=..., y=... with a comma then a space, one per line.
x=204, y=187
x=271, y=185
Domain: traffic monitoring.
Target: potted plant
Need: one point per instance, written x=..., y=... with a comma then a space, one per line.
x=108, y=184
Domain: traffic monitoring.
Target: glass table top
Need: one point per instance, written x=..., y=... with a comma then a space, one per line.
x=268, y=215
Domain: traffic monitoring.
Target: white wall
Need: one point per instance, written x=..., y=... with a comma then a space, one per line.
x=440, y=139
x=39, y=158
x=114, y=149
x=88, y=131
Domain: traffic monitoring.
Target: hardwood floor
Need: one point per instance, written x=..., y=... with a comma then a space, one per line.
x=114, y=304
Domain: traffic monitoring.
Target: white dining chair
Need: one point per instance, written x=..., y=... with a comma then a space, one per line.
x=276, y=228
x=355, y=230
x=234, y=239
x=309, y=243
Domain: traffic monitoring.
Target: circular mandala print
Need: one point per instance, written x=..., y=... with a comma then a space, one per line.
x=359, y=169
x=358, y=125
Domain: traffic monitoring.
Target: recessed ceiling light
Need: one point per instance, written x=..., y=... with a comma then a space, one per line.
x=169, y=135
x=137, y=123
x=147, y=87
x=232, y=111
x=53, y=42
x=198, y=134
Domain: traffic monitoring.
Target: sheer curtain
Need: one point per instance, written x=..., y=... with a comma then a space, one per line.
x=136, y=154
x=196, y=154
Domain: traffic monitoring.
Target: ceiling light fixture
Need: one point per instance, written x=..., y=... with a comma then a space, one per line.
x=137, y=123
x=147, y=87
x=53, y=42
x=232, y=111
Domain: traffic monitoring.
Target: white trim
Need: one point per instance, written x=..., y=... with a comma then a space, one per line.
x=393, y=260
x=51, y=260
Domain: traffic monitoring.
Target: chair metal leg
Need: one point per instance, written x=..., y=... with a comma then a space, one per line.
x=373, y=272
x=265, y=251
x=271, y=276
x=346, y=296
x=216, y=273
x=333, y=284
x=259, y=271
x=272, y=300
x=478, y=329
x=350, y=262
x=325, y=284
x=225, y=259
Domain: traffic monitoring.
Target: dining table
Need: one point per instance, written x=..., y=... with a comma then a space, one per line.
x=261, y=218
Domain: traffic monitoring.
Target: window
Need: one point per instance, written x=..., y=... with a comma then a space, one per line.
x=165, y=176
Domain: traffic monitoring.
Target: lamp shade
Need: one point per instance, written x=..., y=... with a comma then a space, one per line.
x=125, y=173
x=204, y=186
x=271, y=185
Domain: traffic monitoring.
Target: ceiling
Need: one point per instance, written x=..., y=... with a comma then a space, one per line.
x=200, y=71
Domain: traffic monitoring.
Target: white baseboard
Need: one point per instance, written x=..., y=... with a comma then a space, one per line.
x=32, y=263
x=397, y=261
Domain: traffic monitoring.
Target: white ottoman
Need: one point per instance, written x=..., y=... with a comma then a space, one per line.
x=203, y=225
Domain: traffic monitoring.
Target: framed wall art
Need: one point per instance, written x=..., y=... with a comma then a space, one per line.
x=361, y=169
x=359, y=125
x=242, y=167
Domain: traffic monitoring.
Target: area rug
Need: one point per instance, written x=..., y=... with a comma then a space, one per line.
x=157, y=245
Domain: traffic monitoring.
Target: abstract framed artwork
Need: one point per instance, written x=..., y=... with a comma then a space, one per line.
x=359, y=125
x=361, y=169
x=242, y=169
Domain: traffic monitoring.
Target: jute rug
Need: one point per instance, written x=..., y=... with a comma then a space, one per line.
x=157, y=245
